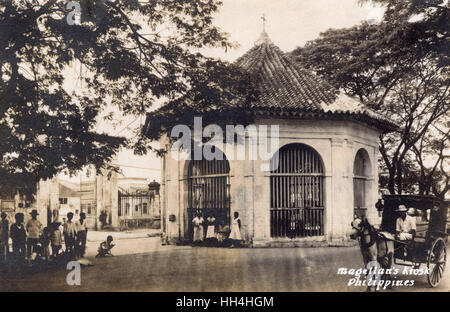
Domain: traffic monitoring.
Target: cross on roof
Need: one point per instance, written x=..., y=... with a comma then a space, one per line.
x=263, y=38
x=264, y=21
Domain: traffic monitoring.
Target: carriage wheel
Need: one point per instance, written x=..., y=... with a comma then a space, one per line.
x=436, y=262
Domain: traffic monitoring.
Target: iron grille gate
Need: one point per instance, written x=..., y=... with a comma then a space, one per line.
x=135, y=204
x=209, y=191
x=297, y=193
x=360, y=168
x=359, y=191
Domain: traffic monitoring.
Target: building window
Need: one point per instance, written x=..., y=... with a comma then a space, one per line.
x=145, y=208
x=296, y=192
x=361, y=174
x=63, y=201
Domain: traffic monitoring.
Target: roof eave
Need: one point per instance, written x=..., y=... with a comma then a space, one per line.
x=384, y=125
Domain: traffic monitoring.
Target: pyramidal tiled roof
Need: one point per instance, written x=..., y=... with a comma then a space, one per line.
x=287, y=88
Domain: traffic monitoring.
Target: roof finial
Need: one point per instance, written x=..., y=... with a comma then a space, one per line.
x=264, y=22
x=264, y=38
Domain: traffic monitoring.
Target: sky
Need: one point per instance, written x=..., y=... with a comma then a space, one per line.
x=289, y=24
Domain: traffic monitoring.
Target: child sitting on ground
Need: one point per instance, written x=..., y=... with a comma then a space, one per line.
x=105, y=247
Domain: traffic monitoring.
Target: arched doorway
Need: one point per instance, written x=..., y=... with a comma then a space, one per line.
x=209, y=190
x=361, y=175
x=297, y=192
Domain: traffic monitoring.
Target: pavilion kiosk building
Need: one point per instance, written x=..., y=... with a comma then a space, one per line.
x=327, y=163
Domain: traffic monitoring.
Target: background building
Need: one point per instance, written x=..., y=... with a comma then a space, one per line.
x=114, y=203
x=139, y=203
x=13, y=204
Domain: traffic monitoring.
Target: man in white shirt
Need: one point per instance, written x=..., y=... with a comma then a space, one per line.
x=405, y=225
x=69, y=233
x=34, y=229
x=81, y=229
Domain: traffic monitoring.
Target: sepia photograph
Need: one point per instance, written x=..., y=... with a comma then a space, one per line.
x=224, y=151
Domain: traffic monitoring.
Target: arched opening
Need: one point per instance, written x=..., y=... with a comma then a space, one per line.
x=297, y=192
x=209, y=190
x=361, y=175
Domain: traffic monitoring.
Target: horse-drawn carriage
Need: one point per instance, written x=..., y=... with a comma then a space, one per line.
x=429, y=244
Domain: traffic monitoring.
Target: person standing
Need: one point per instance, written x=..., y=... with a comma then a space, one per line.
x=69, y=232
x=235, y=234
x=33, y=229
x=81, y=235
x=102, y=218
x=211, y=236
x=55, y=239
x=198, y=228
x=4, y=237
x=18, y=237
x=45, y=243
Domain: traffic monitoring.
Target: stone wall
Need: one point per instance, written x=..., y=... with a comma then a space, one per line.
x=139, y=223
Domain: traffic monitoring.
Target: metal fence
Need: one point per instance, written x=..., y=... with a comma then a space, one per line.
x=135, y=204
x=209, y=190
x=296, y=222
x=297, y=193
x=361, y=171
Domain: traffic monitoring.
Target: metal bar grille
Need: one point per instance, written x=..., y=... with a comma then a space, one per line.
x=360, y=169
x=297, y=193
x=135, y=204
x=209, y=190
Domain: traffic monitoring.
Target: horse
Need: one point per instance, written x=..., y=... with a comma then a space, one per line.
x=374, y=246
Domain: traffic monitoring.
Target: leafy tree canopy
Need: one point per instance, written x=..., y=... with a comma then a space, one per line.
x=399, y=67
x=134, y=54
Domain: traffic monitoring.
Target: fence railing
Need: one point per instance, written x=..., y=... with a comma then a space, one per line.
x=135, y=204
x=296, y=222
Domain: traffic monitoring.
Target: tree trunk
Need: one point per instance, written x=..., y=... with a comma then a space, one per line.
x=391, y=182
x=421, y=188
x=400, y=178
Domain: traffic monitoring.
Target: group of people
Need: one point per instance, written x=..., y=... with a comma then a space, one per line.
x=217, y=234
x=32, y=241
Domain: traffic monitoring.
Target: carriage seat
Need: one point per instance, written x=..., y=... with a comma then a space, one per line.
x=420, y=238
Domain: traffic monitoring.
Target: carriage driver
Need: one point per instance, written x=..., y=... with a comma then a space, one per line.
x=405, y=225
